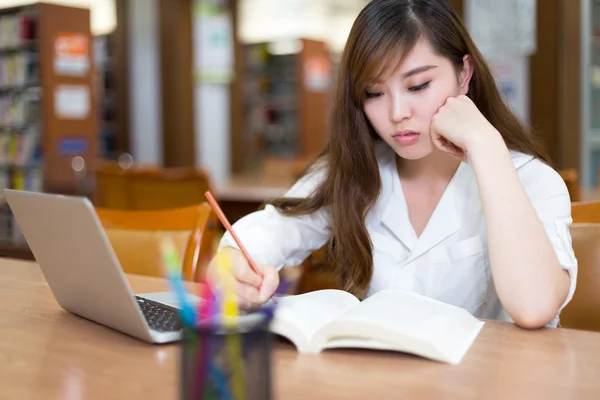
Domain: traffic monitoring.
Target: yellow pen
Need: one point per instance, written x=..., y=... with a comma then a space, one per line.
x=230, y=317
x=230, y=311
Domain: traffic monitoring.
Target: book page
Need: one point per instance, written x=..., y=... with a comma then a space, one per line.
x=398, y=316
x=308, y=312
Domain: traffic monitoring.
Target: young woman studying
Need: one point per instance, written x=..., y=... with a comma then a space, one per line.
x=428, y=184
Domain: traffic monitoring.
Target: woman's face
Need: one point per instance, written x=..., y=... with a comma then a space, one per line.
x=400, y=108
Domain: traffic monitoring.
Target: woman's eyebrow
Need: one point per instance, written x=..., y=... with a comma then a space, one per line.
x=417, y=70
x=405, y=75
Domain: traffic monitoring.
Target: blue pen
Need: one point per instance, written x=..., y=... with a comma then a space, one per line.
x=222, y=387
x=281, y=290
x=171, y=261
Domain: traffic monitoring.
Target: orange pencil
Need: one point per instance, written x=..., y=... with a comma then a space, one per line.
x=215, y=206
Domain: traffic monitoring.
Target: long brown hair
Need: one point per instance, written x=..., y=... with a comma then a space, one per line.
x=383, y=33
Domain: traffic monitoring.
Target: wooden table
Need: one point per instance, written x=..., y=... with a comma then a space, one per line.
x=242, y=195
x=252, y=189
x=47, y=353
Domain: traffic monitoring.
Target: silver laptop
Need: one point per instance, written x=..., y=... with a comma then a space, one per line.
x=82, y=270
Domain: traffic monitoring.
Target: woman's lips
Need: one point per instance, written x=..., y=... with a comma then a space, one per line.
x=406, y=137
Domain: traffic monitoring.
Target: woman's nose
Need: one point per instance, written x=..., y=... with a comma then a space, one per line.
x=399, y=108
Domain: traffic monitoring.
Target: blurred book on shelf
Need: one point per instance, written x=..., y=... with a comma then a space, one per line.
x=285, y=98
x=46, y=118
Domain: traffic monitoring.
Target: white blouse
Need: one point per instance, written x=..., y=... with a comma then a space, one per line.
x=448, y=262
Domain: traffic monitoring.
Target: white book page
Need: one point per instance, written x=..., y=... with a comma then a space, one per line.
x=310, y=311
x=449, y=329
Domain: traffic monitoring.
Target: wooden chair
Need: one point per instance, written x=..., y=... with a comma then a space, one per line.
x=316, y=273
x=149, y=188
x=167, y=188
x=110, y=187
x=585, y=212
x=571, y=178
x=85, y=171
x=583, y=311
x=136, y=235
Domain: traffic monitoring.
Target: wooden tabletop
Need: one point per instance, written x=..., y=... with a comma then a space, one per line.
x=258, y=188
x=47, y=353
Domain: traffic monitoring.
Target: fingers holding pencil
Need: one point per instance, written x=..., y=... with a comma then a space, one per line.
x=250, y=287
x=255, y=283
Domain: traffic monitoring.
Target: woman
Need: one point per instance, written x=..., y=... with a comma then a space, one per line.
x=428, y=184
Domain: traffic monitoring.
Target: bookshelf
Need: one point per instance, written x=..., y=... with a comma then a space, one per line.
x=47, y=104
x=285, y=102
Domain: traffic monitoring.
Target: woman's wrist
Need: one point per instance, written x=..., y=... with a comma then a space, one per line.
x=484, y=144
x=492, y=164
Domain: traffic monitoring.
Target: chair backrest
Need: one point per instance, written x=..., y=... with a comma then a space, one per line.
x=110, y=187
x=317, y=273
x=585, y=212
x=166, y=187
x=571, y=178
x=86, y=170
x=149, y=187
x=136, y=237
x=583, y=311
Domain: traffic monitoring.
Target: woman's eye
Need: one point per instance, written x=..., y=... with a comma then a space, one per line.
x=418, y=88
x=372, y=95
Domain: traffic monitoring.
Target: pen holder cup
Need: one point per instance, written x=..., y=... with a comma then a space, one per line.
x=228, y=361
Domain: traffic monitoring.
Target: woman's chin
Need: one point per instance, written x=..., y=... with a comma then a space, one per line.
x=414, y=152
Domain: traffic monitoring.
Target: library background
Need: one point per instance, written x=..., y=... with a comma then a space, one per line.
x=144, y=104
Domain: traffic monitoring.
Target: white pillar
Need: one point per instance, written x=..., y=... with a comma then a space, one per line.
x=145, y=122
x=213, y=130
x=212, y=95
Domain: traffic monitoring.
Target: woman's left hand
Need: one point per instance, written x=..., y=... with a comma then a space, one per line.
x=457, y=124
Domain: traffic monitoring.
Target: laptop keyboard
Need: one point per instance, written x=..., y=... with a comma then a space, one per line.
x=160, y=317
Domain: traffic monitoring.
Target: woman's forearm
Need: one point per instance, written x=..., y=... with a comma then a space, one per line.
x=529, y=280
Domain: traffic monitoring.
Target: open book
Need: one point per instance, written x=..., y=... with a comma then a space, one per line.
x=388, y=320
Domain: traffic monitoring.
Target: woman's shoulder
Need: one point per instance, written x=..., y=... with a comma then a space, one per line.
x=526, y=163
x=533, y=171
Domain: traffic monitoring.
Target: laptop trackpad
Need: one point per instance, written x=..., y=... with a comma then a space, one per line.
x=168, y=298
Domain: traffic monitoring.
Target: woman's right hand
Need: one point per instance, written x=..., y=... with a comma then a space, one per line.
x=250, y=287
